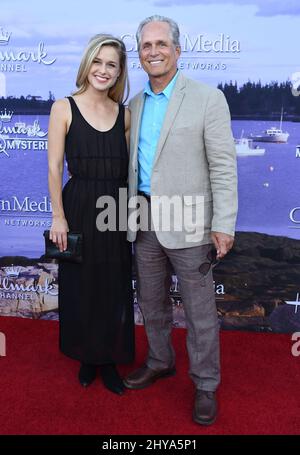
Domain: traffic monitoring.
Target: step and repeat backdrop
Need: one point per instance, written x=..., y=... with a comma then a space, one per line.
x=249, y=50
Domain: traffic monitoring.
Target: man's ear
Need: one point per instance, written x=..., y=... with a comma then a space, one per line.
x=178, y=51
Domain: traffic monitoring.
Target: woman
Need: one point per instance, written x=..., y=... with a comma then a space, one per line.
x=95, y=297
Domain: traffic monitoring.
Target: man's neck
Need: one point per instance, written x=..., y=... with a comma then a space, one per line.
x=158, y=84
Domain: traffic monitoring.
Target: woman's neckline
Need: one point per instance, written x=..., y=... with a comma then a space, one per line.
x=88, y=123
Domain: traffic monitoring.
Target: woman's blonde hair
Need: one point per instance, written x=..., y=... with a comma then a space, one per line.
x=117, y=92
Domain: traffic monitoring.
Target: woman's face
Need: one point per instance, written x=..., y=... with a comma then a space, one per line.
x=105, y=69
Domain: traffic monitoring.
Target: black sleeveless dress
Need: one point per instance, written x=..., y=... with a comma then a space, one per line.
x=95, y=297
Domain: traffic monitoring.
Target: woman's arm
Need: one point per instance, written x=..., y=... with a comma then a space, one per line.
x=127, y=127
x=58, y=125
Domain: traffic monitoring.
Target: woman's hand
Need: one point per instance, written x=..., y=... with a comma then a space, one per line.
x=58, y=232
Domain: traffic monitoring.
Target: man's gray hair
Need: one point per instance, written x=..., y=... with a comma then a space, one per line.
x=175, y=34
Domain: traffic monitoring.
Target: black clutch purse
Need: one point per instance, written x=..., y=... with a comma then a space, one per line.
x=73, y=253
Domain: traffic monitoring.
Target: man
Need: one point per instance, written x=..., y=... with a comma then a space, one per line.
x=181, y=145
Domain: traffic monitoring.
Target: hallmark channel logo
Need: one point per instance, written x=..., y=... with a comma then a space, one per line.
x=12, y=271
x=6, y=116
x=4, y=36
x=16, y=60
x=30, y=136
x=14, y=287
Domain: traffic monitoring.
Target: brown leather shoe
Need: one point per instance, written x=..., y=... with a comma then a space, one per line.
x=205, y=409
x=145, y=376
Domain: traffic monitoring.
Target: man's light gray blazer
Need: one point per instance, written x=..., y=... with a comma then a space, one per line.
x=195, y=156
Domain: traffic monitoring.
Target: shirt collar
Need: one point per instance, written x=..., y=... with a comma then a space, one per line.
x=167, y=90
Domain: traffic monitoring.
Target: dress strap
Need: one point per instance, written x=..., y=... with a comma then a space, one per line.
x=121, y=116
x=72, y=103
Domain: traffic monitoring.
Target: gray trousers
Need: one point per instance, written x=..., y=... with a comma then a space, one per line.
x=153, y=285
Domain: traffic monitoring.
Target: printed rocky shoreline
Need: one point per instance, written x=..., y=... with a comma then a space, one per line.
x=252, y=286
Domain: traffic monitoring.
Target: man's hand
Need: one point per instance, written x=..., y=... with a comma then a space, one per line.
x=223, y=243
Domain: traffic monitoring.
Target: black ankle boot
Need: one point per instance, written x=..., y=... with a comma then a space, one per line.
x=111, y=378
x=87, y=374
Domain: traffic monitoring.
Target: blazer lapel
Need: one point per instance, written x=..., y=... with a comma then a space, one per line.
x=136, y=121
x=173, y=107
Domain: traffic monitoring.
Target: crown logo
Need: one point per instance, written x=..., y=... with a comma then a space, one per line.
x=4, y=36
x=6, y=116
x=12, y=271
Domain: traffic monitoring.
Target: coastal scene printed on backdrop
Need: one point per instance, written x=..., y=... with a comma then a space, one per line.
x=257, y=285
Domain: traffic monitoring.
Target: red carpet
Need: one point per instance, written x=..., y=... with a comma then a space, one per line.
x=40, y=394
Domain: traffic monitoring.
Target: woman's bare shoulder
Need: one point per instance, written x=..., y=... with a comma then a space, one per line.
x=61, y=107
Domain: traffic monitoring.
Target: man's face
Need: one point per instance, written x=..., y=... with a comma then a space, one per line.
x=158, y=55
